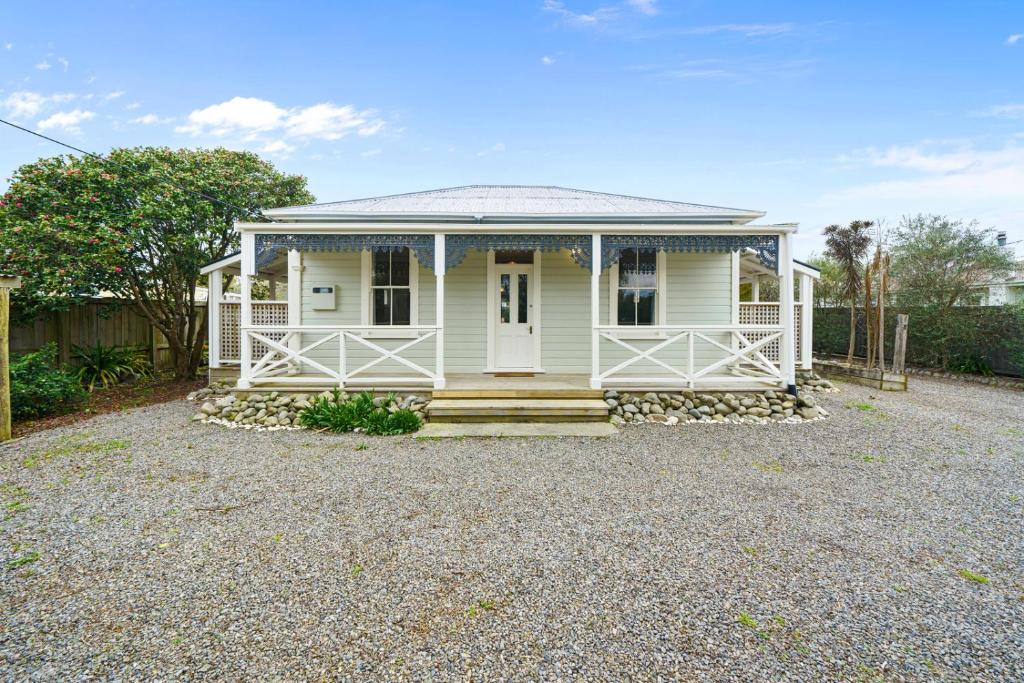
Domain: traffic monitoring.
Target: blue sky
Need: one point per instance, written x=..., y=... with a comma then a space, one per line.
x=814, y=112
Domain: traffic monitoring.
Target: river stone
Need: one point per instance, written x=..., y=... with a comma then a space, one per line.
x=629, y=408
x=657, y=418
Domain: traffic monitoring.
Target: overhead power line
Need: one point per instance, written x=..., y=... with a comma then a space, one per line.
x=106, y=160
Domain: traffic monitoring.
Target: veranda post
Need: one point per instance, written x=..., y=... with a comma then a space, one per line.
x=7, y=283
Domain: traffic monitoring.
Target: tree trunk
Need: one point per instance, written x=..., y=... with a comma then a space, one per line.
x=853, y=331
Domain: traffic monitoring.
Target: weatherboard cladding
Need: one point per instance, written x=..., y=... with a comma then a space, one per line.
x=510, y=200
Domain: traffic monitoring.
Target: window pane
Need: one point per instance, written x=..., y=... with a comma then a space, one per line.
x=400, y=307
x=627, y=307
x=645, y=307
x=381, y=267
x=638, y=269
x=400, y=268
x=627, y=266
x=524, y=296
x=381, y=307
x=513, y=256
x=504, y=298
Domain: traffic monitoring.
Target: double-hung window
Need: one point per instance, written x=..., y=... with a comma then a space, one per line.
x=637, y=290
x=390, y=287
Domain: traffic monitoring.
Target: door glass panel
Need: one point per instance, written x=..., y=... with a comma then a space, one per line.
x=645, y=307
x=627, y=307
x=505, y=301
x=524, y=295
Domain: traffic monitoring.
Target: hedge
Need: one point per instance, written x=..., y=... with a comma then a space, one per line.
x=983, y=339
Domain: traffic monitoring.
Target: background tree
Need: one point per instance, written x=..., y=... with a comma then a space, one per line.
x=848, y=246
x=74, y=227
x=829, y=289
x=940, y=262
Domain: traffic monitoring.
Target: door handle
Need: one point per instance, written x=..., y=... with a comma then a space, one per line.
x=531, y=329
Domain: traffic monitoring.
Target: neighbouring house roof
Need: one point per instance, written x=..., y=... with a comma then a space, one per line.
x=512, y=203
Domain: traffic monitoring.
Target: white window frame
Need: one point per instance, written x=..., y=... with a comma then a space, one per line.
x=366, y=295
x=660, y=304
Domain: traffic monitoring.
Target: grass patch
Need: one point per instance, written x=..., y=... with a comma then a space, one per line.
x=747, y=620
x=72, y=446
x=356, y=570
x=773, y=467
x=867, y=457
x=865, y=407
x=27, y=558
x=971, y=576
x=481, y=605
x=362, y=446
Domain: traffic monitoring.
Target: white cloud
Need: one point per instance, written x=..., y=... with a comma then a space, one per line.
x=1014, y=38
x=250, y=116
x=1003, y=111
x=8, y=46
x=648, y=7
x=25, y=104
x=150, y=119
x=278, y=147
x=547, y=60
x=747, y=30
x=496, y=148
x=133, y=106
x=66, y=120
x=370, y=153
x=63, y=61
x=941, y=172
x=598, y=16
x=113, y=95
x=43, y=65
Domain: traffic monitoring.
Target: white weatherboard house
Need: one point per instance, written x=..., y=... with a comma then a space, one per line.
x=511, y=285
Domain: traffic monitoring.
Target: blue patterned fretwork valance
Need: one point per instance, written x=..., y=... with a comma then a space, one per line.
x=579, y=246
x=268, y=246
x=766, y=246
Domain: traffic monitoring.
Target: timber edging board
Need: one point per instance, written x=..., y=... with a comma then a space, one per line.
x=870, y=377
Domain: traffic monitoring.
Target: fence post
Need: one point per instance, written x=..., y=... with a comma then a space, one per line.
x=7, y=283
x=899, y=353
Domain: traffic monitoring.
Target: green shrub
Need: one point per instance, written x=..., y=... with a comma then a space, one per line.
x=108, y=365
x=40, y=387
x=358, y=412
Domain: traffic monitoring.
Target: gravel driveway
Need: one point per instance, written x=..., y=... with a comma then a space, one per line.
x=885, y=543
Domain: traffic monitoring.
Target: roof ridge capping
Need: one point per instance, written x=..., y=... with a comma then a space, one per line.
x=478, y=201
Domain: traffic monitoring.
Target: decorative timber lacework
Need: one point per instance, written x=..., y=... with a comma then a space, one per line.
x=766, y=246
x=268, y=246
x=579, y=246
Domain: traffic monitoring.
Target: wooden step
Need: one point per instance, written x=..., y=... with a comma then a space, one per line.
x=517, y=410
x=518, y=393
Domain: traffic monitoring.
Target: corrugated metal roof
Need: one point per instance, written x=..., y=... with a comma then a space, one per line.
x=511, y=200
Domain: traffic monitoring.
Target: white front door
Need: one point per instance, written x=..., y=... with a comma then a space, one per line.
x=513, y=326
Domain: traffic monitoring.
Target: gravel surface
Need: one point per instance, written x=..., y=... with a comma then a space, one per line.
x=885, y=543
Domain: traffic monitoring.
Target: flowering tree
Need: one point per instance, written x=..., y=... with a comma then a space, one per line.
x=140, y=226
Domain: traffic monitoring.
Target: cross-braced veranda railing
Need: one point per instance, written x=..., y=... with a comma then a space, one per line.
x=316, y=354
x=688, y=354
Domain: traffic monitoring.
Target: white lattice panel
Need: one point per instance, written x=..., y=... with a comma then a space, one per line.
x=768, y=314
x=263, y=313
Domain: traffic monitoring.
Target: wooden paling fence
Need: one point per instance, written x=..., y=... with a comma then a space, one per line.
x=101, y=322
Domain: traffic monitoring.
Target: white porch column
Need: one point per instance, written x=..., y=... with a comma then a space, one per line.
x=755, y=289
x=215, y=292
x=595, y=313
x=245, y=319
x=295, y=299
x=439, y=272
x=806, y=320
x=787, y=347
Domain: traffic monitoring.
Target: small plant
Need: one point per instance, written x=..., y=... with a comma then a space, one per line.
x=357, y=569
x=27, y=558
x=769, y=467
x=866, y=407
x=359, y=412
x=971, y=576
x=362, y=446
x=108, y=365
x=747, y=620
x=39, y=386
